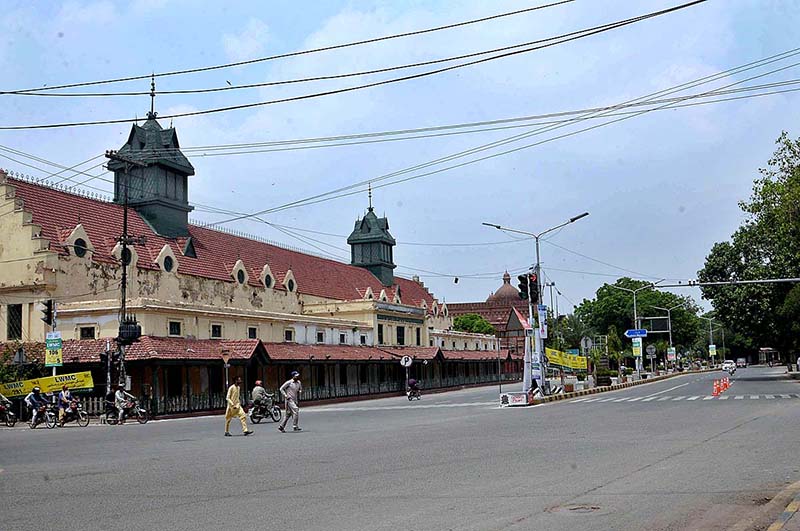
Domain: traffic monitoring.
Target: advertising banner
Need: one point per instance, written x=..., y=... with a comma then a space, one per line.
x=637, y=347
x=570, y=362
x=76, y=382
x=543, y=321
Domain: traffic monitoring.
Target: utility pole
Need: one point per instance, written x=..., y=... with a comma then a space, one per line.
x=636, y=314
x=539, y=351
x=129, y=330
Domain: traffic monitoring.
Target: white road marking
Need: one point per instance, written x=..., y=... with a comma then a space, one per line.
x=708, y=398
x=754, y=397
x=635, y=399
x=692, y=398
x=738, y=397
x=648, y=399
x=592, y=400
x=621, y=399
x=768, y=397
x=678, y=398
x=786, y=396
x=580, y=400
x=667, y=390
x=724, y=397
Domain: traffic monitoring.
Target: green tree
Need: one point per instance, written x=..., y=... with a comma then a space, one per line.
x=12, y=372
x=472, y=322
x=766, y=245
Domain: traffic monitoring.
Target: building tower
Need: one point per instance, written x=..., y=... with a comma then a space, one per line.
x=157, y=191
x=371, y=246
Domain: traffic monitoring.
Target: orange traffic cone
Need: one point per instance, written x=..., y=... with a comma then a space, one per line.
x=715, y=392
x=727, y=383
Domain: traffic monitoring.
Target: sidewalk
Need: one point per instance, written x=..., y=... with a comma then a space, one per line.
x=789, y=519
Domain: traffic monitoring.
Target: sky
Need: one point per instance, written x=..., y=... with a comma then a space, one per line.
x=660, y=188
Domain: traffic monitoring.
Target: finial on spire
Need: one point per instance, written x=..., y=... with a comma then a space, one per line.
x=152, y=114
x=369, y=188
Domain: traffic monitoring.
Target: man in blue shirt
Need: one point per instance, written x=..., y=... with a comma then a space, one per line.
x=64, y=398
x=34, y=401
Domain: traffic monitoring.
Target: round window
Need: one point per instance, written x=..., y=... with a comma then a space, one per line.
x=268, y=281
x=290, y=285
x=169, y=263
x=126, y=256
x=80, y=247
x=240, y=276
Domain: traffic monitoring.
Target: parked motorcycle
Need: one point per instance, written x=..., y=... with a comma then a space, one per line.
x=132, y=409
x=413, y=394
x=266, y=408
x=6, y=415
x=76, y=413
x=47, y=414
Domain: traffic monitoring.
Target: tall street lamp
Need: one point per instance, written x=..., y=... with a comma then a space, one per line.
x=710, y=333
x=526, y=380
x=635, y=313
x=669, y=321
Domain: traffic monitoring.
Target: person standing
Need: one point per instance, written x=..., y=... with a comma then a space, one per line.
x=291, y=390
x=235, y=408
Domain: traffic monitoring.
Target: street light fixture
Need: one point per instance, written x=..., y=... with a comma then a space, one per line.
x=526, y=380
x=669, y=316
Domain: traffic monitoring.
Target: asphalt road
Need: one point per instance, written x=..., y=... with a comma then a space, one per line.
x=656, y=456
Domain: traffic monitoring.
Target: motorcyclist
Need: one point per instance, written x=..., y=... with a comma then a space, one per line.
x=64, y=399
x=413, y=387
x=259, y=394
x=34, y=401
x=121, y=399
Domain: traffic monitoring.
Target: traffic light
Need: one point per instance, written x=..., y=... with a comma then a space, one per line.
x=528, y=287
x=129, y=332
x=48, y=312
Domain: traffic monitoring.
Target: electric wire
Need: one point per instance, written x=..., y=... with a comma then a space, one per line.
x=293, y=54
x=346, y=190
x=359, y=87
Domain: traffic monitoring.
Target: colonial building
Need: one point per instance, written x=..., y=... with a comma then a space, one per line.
x=194, y=288
x=498, y=308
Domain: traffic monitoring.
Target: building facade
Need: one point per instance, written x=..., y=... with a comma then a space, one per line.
x=189, y=283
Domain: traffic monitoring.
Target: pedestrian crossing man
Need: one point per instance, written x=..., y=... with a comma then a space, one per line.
x=235, y=408
x=291, y=390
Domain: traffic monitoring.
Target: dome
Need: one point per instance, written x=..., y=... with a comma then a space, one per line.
x=506, y=293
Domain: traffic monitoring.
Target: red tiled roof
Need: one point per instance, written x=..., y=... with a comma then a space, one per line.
x=522, y=319
x=422, y=353
x=58, y=213
x=162, y=348
x=296, y=352
x=474, y=355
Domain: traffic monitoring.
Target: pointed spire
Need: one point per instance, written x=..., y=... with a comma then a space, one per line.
x=152, y=114
x=369, y=188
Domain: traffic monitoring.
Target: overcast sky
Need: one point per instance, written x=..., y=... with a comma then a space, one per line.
x=661, y=188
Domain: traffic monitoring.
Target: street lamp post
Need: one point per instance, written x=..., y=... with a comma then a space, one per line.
x=636, y=314
x=526, y=381
x=710, y=333
x=669, y=321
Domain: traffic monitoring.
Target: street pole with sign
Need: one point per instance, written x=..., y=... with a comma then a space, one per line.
x=226, y=355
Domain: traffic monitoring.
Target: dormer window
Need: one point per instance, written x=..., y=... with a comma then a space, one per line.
x=267, y=281
x=240, y=276
x=80, y=248
x=290, y=285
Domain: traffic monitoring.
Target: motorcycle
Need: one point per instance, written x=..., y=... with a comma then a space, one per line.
x=45, y=414
x=131, y=409
x=413, y=394
x=75, y=412
x=6, y=415
x=267, y=408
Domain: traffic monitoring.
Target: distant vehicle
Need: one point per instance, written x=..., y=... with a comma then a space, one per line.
x=729, y=365
x=741, y=362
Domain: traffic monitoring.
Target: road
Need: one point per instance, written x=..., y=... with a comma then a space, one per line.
x=656, y=456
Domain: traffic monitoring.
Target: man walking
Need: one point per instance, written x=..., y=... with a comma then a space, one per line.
x=291, y=390
x=235, y=408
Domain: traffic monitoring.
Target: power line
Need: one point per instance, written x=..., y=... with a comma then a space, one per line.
x=474, y=127
x=344, y=191
x=363, y=86
x=293, y=54
x=599, y=261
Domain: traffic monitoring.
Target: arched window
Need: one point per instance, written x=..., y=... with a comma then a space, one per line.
x=80, y=247
x=169, y=263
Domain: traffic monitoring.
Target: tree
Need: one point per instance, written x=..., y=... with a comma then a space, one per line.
x=767, y=244
x=12, y=372
x=472, y=322
x=572, y=328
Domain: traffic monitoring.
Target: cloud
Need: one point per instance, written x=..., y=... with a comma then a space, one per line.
x=248, y=44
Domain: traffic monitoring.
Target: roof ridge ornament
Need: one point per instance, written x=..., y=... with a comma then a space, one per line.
x=369, y=192
x=152, y=114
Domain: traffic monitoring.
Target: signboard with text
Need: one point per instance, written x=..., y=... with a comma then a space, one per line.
x=50, y=384
x=543, y=321
x=52, y=355
x=637, y=347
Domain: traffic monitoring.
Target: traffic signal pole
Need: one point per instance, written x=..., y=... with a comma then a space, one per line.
x=539, y=349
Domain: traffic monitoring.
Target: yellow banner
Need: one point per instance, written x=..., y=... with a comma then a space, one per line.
x=53, y=358
x=49, y=384
x=567, y=361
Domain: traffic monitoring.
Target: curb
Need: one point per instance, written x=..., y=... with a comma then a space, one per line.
x=607, y=388
x=786, y=515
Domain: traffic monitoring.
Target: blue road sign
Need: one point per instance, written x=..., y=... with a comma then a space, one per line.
x=636, y=332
